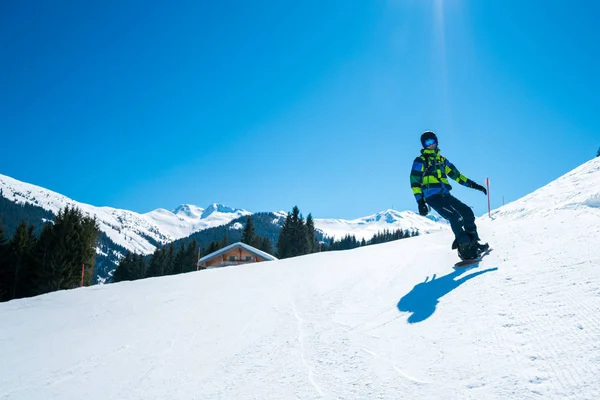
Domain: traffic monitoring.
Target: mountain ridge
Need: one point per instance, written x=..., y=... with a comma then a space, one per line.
x=142, y=232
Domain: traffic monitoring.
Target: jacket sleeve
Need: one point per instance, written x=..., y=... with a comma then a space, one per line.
x=416, y=178
x=455, y=174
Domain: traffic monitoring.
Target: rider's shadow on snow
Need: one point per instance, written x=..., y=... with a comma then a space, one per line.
x=423, y=298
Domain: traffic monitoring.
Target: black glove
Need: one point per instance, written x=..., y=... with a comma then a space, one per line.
x=423, y=210
x=477, y=186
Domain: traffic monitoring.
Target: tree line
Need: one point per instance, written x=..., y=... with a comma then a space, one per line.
x=32, y=264
x=297, y=237
x=350, y=242
x=172, y=259
x=165, y=260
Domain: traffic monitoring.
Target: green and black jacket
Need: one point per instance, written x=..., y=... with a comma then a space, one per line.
x=430, y=172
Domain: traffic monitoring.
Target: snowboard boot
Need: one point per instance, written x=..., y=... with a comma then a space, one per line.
x=464, y=238
x=469, y=250
x=472, y=250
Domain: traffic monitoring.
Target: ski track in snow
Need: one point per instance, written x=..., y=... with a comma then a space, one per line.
x=302, y=352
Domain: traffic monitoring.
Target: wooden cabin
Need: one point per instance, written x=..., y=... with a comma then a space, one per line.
x=234, y=254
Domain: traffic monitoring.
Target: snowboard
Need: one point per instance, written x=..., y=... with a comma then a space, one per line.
x=473, y=262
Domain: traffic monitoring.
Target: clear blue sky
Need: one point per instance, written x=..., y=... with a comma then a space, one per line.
x=269, y=104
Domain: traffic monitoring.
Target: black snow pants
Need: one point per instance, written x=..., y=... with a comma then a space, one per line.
x=460, y=216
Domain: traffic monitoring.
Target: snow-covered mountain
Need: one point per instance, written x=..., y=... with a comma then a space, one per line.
x=135, y=232
x=388, y=321
x=140, y=232
x=187, y=218
x=365, y=228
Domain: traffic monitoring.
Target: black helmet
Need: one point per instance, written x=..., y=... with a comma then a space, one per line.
x=426, y=136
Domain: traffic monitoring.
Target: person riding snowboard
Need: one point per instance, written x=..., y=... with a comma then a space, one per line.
x=429, y=183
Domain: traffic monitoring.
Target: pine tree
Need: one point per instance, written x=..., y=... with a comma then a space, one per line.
x=74, y=238
x=4, y=289
x=249, y=236
x=66, y=245
x=266, y=246
x=212, y=248
x=156, y=263
x=299, y=234
x=313, y=245
x=348, y=242
x=598, y=152
x=139, y=267
x=20, y=260
x=124, y=271
x=179, y=259
x=2, y=238
x=186, y=257
x=33, y=266
x=169, y=261
x=44, y=254
x=191, y=257
x=284, y=241
x=130, y=268
x=224, y=243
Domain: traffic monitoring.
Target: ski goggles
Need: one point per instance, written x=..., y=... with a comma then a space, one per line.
x=429, y=142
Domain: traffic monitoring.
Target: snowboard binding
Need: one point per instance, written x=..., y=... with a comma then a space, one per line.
x=471, y=250
x=468, y=246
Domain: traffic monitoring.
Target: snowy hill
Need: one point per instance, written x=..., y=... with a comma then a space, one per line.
x=390, y=321
x=125, y=228
x=578, y=190
x=135, y=232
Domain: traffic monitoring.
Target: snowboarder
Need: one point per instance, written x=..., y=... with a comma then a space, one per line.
x=429, y=183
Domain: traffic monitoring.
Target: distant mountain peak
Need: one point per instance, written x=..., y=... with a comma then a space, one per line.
x=188, y=210
x=160, y=211
x=366, y=227
x=220, y=208
x=390, y=216
x=281, y=214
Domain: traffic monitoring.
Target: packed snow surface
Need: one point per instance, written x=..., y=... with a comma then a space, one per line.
x=391, y=321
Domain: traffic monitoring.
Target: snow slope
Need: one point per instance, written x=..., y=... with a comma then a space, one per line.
x=391, y=321
x=578, y=190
